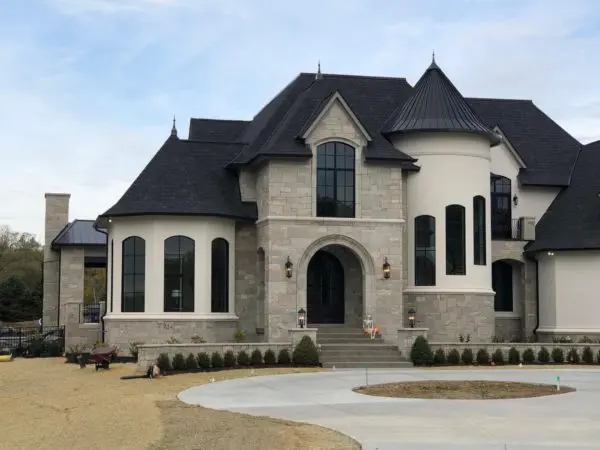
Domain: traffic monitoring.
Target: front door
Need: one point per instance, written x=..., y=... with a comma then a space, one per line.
x=325, y=289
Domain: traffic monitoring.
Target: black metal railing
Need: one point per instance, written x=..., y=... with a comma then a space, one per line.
x=90, y=313
x=507, y=230
x=32, y=341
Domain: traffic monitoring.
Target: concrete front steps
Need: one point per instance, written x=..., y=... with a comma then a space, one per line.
x=346, y=346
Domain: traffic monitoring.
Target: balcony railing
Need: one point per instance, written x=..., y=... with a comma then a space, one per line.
x=90, y=313
x=507, y=230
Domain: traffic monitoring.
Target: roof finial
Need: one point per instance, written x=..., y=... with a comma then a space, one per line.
x=433, y=64
x=433, y=56
x=318, y=75
x=174, y=129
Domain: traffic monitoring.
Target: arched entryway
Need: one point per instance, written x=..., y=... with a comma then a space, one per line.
x=325, y=289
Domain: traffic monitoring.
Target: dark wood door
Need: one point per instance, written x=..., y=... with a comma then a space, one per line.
x=325, y=290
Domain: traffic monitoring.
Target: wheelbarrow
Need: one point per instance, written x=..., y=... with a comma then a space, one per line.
x=102, y=357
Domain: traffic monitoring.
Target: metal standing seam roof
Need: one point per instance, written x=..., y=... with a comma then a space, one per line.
x=79, y=233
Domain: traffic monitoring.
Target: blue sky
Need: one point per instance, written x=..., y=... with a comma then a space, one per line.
x=88, y=87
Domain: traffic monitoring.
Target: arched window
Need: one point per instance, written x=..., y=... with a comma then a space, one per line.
x=425, y=251
x=335, y=180
x=179, y=274
x=500, y=197
x=133, y=274
x=455, y=240
x=219, y=277
x=479, y=237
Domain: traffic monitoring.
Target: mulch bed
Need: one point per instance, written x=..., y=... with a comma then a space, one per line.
x=462, y=390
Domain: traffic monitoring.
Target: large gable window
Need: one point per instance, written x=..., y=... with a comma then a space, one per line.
x=455, y=240
x=133, y=275
x=479, y=237
x=179, y=274
x=425, y=251
x=335, y=180
x=501, y=208
x=219, y=276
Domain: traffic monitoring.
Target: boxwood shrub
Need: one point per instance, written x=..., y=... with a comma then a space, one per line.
x=270, y=358
x=453, y=357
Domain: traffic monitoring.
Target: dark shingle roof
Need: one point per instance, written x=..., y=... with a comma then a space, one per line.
x=436, y=105
x=79, y=233
x=216, y=130
x=187, y=178
x=572, y=222
x=279, y=126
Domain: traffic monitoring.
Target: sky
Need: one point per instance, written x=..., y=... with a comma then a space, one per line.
x=88, y=88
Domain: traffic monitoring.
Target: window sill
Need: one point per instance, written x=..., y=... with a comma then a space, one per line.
x=507, y=315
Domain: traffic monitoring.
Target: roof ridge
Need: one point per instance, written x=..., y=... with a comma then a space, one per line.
x=220, y=120
x=347, y=75
x=201, y=141
x=501, y=99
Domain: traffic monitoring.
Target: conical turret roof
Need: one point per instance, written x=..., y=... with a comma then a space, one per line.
x=436, y=105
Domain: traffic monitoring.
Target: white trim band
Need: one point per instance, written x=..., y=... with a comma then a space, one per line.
x=328, y=220
x=171, y=316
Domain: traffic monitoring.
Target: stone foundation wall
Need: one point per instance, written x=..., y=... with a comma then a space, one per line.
x=122, y=332
x=147, y=354
x=509, y=328
x=449, y=315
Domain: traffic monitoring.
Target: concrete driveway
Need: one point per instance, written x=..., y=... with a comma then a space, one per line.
x=568, y=421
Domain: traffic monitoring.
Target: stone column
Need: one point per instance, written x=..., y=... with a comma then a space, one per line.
x=56, y=218
x=529, y=278
x=72, y=273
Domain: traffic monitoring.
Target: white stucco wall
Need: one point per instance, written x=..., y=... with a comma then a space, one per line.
x=454, y=168
x=154, y=230
x=532, y=201
x=569, y=287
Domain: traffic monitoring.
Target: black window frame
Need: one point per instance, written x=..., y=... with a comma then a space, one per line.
x=179, y=269
x=456, y=263
x=425, y=250
x=501, y=207
x=133, y=268
x=502, y=284
x=336, y=180
x=219, y=275
x=479, y=231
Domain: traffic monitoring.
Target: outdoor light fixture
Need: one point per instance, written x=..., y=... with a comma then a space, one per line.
x=288, y=268
x=411, y=318
x=515, y=200
x=550, y=253
x=386, y=268
x=301, y=318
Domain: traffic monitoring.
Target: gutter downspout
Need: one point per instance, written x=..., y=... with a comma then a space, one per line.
x=102, y=330
x=537, y=296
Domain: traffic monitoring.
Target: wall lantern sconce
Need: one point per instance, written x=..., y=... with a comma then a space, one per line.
x=288, y=268
x=301, y=318
x=386, y=268
x=515, y=200
x=411, y=317
x=550, y=253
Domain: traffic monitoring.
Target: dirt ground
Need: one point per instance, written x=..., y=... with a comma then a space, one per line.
x=47, y=404
x=462, y=390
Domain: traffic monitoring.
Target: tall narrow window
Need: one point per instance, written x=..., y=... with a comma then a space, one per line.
x=133, y=274
x=179, y=274
x=335, y=180
x=500, y=197
x=479, y=237
x=502, y=284
x=455, y=240
x=219, y=276
x=425, y=251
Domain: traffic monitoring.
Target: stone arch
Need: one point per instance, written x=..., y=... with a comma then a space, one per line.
x=357, y=249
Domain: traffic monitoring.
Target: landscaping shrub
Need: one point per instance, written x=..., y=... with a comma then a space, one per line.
x=179, y=362
x=483, y=357
x=133, y=349
x=203, y=360
x=573, y=356
x=229, y=359
x=216, y=360
x=587, y=356
x=239, y=336
x=191, y=362
x=498, y=357
x=420, y=353
x=306, y=353
x=514, y=357
x=544, y=355
x=558, y=356
x=528, y=356
x=243, y=358
x=439, y=357
x=283, y=357
x=270, y=359
x=54, y=349
x=467, y=356
x=256, y=358
x=163, y=362
x=453, y=357
x=197, y=340
x=36, y=348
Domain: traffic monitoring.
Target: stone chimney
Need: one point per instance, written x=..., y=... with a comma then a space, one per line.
x=56, y=218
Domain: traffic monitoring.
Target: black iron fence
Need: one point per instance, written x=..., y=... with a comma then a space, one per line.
x=32, y=341
x=90, y=313
x=507, y=230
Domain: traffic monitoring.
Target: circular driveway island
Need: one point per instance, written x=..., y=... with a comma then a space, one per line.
x=570, y=421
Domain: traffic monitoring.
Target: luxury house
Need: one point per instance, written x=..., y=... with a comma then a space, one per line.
x=347, y=196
